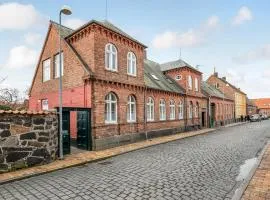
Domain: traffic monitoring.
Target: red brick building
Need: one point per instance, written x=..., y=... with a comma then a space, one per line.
x=251, y=107
x=112, y=94
x=216, y=102
x=263, y=105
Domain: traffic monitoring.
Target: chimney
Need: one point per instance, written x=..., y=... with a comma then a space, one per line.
x=224, y=78
x=215, y=74
x=145, y=54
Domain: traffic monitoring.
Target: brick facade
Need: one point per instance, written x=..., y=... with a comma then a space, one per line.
x=86, y=82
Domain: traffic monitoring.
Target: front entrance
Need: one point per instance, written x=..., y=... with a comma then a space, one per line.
x=76, y=130
x=203, y=119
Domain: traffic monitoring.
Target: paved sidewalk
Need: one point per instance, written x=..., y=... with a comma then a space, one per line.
x=91, y=156
x=259, y=186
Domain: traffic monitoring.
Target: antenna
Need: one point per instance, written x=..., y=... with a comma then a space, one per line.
x=106, y=10
x=180, y=53
x=214, y=69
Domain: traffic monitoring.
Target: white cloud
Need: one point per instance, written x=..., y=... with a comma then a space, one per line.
x=21, y=57
x=33, y=38
x=190, y=38
x=259, y=54
x=244, y=14
x=212, y=21
x=16, y=16
x=74, y=23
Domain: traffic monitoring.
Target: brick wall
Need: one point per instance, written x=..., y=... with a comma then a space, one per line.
x=73, y=82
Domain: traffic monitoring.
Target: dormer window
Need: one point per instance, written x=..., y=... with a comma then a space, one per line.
x=178, y=77
x=111, y=57
x=154, y=76
x=196, y=85
x=131, y=64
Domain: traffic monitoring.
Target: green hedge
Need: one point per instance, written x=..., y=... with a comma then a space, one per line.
x=5, y=107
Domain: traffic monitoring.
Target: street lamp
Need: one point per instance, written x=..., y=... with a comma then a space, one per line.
x=66, y=10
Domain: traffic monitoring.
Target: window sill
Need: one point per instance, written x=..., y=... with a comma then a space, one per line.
x=132, y=75
x=131, y=122
x=112, y=123
x=110, y=70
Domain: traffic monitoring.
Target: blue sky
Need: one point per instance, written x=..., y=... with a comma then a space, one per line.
x=233, y=36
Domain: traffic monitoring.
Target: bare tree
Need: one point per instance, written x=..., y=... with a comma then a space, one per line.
x=9, y=96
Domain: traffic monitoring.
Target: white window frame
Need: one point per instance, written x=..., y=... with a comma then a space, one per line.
x=110, y=99
x=196, y=84
x=110, y=53
x=181, y=110
x=196, y=110
x=189, y=82
x=46, y=70
x=172, y=110
x=131, y=116
x=56, y=65
x=44, y=104
x=150, y=107
x=178, y=77
x=190, y=110
x=131, y=64
x=162, y=109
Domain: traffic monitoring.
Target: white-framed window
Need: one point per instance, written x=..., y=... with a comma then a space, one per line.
x=150, y=109
x=181, y=110
x=196, y=84
x=217, y=85
x=56, y=65
x=131, y=64
x=111, y=57
x=196, y=110
x=110, y=108
x=45, y=104
x=190, y=110
x=178, y=77
x=189, y=82
x=172, y=110
x=131, y=110
x=46, y=70
x=162, y=109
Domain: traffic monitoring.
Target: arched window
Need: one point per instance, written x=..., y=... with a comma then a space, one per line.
x=189, y=82
x=190, y=110
x=196, y=85
x=181, y=110
x=150, y=109
x=111, y=57
x=162, y=109
x=131, y=64
x=131, y=111
x=110, y=108
x=172, y=110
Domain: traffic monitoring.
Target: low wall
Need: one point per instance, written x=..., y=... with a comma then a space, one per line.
x=27, y=139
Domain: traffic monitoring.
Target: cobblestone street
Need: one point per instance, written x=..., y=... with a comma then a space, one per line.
x=200, y=167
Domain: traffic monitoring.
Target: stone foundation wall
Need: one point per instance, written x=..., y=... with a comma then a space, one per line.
x=27, y=139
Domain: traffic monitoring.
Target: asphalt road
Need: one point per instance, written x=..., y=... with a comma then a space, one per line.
x=200, y=167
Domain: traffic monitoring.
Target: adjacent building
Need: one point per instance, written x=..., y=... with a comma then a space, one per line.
x=251, y=107
x=239, y=97
x=263, y=105
x=220, y=106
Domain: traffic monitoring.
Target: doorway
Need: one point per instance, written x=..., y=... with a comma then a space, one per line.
x=76, y=130
x=203, y=119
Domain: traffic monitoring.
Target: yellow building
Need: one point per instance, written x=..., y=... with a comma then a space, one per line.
x=240, y=104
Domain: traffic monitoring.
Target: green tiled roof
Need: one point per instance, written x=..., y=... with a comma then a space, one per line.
x=210, y=90
x=152, y=71
x=176, y=64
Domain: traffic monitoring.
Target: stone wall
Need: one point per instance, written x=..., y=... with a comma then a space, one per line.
x=27, y=139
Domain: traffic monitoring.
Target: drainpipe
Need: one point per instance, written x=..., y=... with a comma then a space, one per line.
x=145, y=113
x=186, y=111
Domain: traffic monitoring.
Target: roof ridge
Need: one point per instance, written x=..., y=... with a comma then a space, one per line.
x=61, y=25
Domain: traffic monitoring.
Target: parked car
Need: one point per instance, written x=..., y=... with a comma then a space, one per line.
x=255, y=118
x=264, y=116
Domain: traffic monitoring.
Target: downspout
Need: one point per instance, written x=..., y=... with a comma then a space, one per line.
x=145, y=115
x=186, y=111
x=209, y=112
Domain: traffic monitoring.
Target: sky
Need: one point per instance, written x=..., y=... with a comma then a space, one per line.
x=232, y=36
